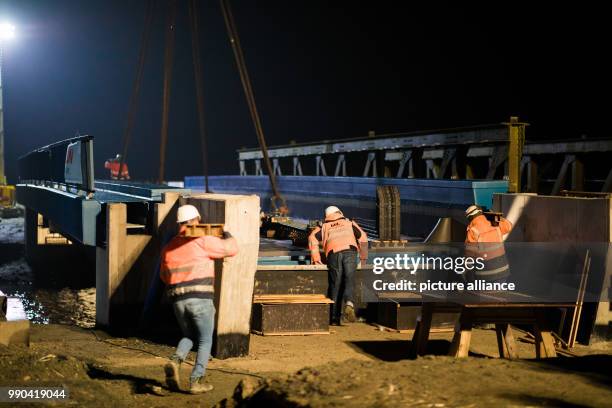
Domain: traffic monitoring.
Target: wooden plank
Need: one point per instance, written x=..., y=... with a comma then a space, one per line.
x=505, y=341
x=291, y=267
x=290, y=296
x=108, y=261
x=412, y=331
x=460, y=345
x=580, y=300
x=201, y=230
x=545, y=344
x=292, y=281
x=282, y=299
x=290, y=333
x=423, y=329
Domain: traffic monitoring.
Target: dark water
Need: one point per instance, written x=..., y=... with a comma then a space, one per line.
x=50, y=293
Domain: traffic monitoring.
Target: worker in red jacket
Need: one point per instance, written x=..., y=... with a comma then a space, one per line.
x=188, y=270
x=113, y=166
x=342, y=239
x=485, y=240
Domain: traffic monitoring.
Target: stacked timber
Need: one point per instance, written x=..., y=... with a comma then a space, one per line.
x=277, y=315
x=290, y=300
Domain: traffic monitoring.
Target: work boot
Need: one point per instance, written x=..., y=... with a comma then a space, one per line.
x=349, y=313
x=172, y=370
x=196, y=386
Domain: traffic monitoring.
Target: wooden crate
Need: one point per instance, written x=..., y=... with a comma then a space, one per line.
x=277, y=315
x=200, y=230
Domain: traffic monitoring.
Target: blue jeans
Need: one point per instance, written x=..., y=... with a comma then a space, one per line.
x=196, y=318
x=341, y=266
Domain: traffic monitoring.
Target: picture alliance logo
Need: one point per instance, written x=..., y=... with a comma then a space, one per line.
x=459, y=264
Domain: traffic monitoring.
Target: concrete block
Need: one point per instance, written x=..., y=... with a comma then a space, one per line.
x=15, y=332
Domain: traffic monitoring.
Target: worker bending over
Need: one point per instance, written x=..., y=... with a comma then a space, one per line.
x=188, y=270
x=113, y=166
x=341, y=239
x=486, y=240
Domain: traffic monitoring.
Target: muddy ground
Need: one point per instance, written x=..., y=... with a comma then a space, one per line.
x=357, y=365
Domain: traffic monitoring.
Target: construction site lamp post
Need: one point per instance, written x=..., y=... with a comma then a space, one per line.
x=7, y=32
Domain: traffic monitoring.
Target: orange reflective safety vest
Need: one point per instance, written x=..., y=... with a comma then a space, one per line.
x=113, y=166
x=487, y=241
x=337, y=234
x=187, y=265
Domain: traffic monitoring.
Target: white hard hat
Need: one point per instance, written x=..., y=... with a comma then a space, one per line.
x=186, y=213
x=472, y=210
x=331, y=209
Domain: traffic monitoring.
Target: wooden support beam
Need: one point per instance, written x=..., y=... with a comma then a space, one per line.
x=235, y=276
x=115, y=261
x=421, y=333
x=125, y=266
x=505, y=341
x=460, y=345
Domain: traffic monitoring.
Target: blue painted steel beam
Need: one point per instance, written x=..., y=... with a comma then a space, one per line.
x=81, y=219
x=434, y=192
x=423, y=200
x=130, y=188
x=73, y=215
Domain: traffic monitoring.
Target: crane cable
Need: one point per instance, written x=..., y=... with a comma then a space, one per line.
x=248, y=90
x=168, y=59
x=133, y=107
x=197, y=71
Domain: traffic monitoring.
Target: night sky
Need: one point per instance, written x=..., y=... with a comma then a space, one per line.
x=320, y=70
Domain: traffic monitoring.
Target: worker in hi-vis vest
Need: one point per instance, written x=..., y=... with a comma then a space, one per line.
x=113, y=166
x=486, y=241
x=342, y=239
x=188, y=270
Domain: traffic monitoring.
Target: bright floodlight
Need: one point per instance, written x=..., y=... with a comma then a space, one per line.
x=7, y=31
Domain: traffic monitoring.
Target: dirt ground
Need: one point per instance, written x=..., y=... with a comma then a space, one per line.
x=356, y=365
